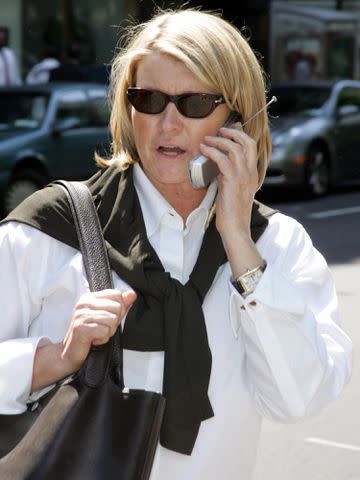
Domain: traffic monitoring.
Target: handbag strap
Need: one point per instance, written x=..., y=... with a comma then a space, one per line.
x=90, y=235
x=96, y=367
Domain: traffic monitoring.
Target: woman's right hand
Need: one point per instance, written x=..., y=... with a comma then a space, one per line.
x=96, y=317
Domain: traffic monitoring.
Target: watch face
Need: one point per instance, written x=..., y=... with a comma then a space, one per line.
x=250, y=280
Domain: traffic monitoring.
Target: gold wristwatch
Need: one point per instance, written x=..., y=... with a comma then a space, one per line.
x=246, y=283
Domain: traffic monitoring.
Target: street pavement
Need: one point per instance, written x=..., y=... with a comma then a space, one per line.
x=325, y=447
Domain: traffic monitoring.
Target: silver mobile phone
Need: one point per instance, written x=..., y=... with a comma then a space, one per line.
x=201, y=169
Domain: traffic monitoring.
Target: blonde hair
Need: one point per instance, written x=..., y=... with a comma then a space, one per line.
x=214, y=51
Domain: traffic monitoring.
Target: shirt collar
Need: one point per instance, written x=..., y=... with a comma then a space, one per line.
x=154, y=206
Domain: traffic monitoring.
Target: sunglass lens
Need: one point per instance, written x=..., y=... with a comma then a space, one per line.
x=196, y=106
x=146, y=101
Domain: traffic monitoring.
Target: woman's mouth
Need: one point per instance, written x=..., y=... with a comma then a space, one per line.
x=170, y=150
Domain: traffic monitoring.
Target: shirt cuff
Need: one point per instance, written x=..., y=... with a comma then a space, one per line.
x=16, y=369
x=275, y=291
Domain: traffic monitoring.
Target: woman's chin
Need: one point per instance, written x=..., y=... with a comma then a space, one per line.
x=173, y=174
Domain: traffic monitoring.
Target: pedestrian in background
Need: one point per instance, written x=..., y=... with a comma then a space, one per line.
x=40, y=73
x=9, y=72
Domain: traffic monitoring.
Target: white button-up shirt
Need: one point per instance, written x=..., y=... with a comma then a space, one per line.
x=283, y=357
x=40, y=72
x=9, y=72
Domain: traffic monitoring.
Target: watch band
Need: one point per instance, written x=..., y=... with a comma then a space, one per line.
x=246, y=283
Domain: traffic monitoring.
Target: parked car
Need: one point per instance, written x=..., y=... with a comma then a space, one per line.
x=49, y=131
x=315, y=129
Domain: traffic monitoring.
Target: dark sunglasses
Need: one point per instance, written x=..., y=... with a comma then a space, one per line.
x=192, y=105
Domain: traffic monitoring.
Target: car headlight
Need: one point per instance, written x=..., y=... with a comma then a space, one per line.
x=284, y=138
x=286, y=147
x=279, y=140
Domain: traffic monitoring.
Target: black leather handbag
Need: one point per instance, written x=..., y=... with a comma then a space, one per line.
x=89, y=427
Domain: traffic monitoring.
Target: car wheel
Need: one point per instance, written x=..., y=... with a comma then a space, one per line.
x=24, y=183
x=317, y=172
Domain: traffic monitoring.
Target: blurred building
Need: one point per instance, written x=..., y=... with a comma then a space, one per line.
x=87, y=27
x=312, y=40
x=93, y=28
x=294, y=38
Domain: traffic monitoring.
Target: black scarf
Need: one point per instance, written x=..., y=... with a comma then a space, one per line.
x=166, y=315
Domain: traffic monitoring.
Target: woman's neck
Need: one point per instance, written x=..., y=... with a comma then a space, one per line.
x=184, y=201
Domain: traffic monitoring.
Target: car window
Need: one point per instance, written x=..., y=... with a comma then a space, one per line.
x=349, y=96
x=22, y=110
x=80, y=111
x=88, y=111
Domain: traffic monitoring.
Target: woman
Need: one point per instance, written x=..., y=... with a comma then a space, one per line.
x=225, y=346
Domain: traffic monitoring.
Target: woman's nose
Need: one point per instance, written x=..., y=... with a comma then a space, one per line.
x=171, y=118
